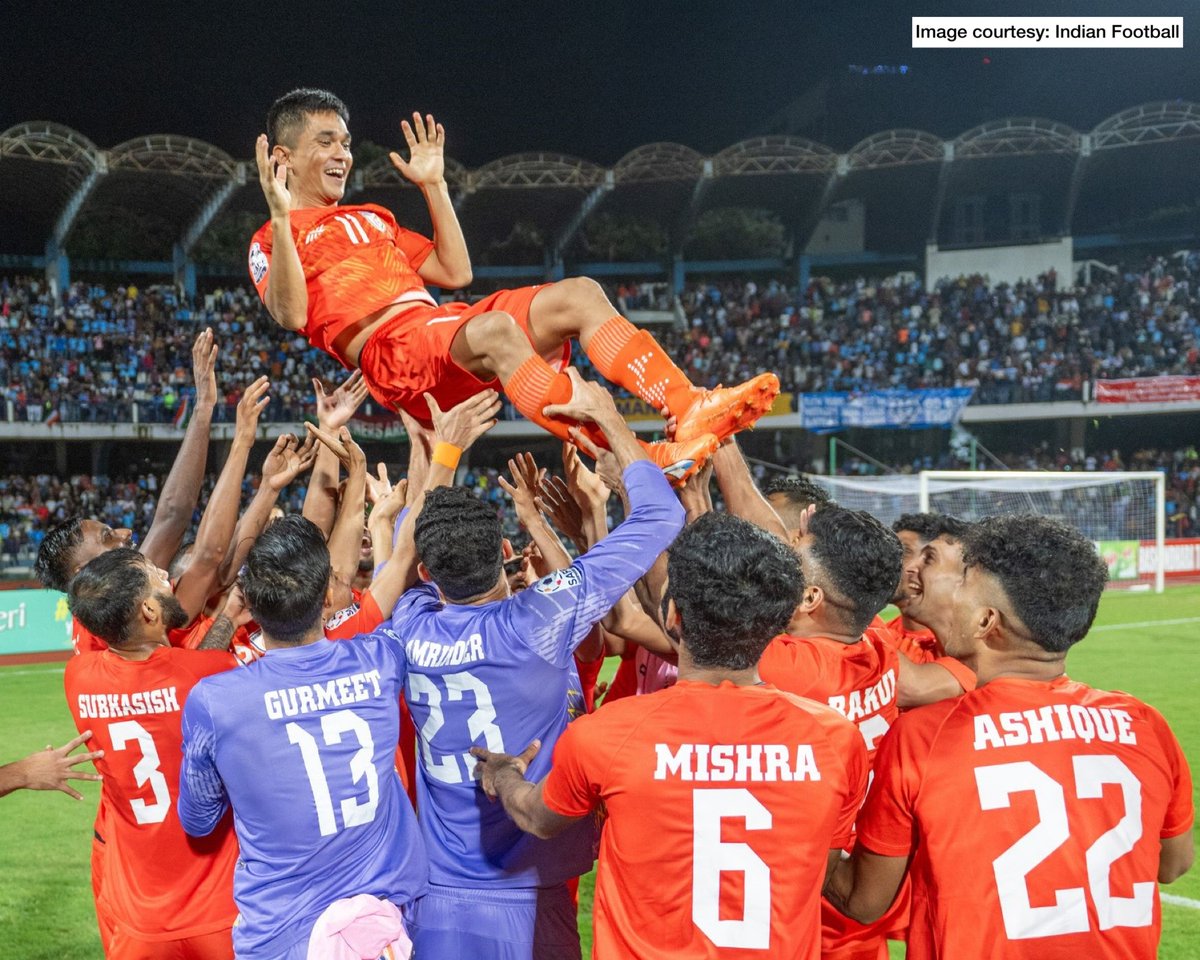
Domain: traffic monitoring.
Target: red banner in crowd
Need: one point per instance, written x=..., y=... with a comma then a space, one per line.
x=1148, y=390
x=1182, y=558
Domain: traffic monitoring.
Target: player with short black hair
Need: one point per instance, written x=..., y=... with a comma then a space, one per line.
x=791, y=496
x=331, y=820
x=460, y=542
x=1039, y=814
x=161, y=895
x=352, y=282
x=717, y=762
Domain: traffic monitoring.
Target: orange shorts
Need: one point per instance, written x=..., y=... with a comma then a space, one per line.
x=410, y=355
x=104, y=920
x=208, y=946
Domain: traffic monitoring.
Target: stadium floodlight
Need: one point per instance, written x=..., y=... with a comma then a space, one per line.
x=1124, y=512
x=1121, y=511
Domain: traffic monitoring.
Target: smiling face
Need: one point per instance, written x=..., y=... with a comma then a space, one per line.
x=318, y=160
x=930, y=581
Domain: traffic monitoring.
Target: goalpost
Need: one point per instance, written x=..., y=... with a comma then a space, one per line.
x=1119, y=510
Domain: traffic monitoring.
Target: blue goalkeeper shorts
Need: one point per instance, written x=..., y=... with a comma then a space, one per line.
x=461, y=923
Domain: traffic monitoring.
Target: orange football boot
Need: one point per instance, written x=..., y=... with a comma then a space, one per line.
x=726, y=410
x=678, y=460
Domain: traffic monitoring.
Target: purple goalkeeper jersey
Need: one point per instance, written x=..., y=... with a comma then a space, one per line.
x=496, y=675
x=301, y=743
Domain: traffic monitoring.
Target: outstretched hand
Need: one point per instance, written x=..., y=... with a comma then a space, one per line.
x=589, y=401
x=491, y=765
x=272, y=177
x=204, y=368
x=250, y=407
x=465, y=423
x=50, y=769
x=524, y=487
x=287, y=460
x=349, y=453
x=335, y=409
x=426, y=139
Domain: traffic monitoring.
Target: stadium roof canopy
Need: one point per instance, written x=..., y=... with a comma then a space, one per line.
x=56, y=185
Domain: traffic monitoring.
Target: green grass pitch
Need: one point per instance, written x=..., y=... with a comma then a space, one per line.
x=1143, y=643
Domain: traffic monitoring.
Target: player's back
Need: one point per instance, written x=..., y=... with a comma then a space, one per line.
x=475, y=678
x=157, y=881
x=304, y=741
x=1040, y=807
x=723, y=804
x=858, y=680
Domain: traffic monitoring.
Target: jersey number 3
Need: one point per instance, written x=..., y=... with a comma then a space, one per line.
x=1069, y=913
x=145, y=771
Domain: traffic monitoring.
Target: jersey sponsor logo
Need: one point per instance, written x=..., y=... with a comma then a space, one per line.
x=341, y=617
x=1053, y=723
x=567, y=579
x=103, y=706
x=863, y=703
x=742, y=762
x=375, y=220
x=311, y=697
x=314, y=233
x=258, y=262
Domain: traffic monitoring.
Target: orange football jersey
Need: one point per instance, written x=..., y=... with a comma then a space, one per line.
x=158, y=883
x=1033, y=812
x=858, y=680
x=920, y=646
x=356, y=260
x=723, y=803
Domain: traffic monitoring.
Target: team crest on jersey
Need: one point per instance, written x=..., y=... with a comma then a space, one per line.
x=314, y=233
x=567, y=579
x=258, y=262
x=375, y=220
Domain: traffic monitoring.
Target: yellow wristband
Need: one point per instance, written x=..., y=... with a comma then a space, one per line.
x=446, y=454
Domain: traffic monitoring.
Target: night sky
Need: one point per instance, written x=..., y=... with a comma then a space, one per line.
x=591, y=79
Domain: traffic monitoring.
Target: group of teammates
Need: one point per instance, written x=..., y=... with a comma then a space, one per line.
x=724, y=816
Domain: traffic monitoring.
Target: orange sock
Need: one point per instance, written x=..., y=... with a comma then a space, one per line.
x=533, y=386
x=633, y=359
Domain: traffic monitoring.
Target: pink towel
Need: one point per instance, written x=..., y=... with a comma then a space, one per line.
x=360, y=928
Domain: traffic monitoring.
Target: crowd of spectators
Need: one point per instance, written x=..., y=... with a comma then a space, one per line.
x=96, y=352
x=30, y=504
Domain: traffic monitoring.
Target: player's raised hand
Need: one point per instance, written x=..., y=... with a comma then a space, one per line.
x=586, y=487
x=417, y=431
x=464, y=424
x=695, y=494
x=426, y=165
x=349, y=453
x=379, y=485
x=589, y=401
x=204, y=368
x=287, y=460
x=335, y=409
x=556, y=502
x=272, y=177
x=385, y=510
x=608, y=468
x=524, y=488
x=492, y=766
x=250, y=407
x=50, y=769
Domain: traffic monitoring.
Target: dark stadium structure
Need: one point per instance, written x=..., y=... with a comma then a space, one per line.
x=1018, y=179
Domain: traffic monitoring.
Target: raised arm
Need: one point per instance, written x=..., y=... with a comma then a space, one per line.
x=202, y=796
x=286, y=461
x=220, y=516
x=286, y=293
x=524, y=492
x=346, y=539
x=181, y=489
x=740, y=492
x=334, y=411
x=449, y=265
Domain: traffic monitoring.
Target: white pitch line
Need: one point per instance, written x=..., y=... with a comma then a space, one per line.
x=1146, y=623
x=29, y=673
x=1179, y=901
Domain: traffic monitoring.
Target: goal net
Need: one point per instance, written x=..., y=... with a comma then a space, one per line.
x=1124, y=513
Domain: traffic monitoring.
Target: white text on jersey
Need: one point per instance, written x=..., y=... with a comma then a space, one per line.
x=429, y=653
x=746, y=762
x=863, y=703
x=102, y=706
x=311, y=697
x=1050, y=724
